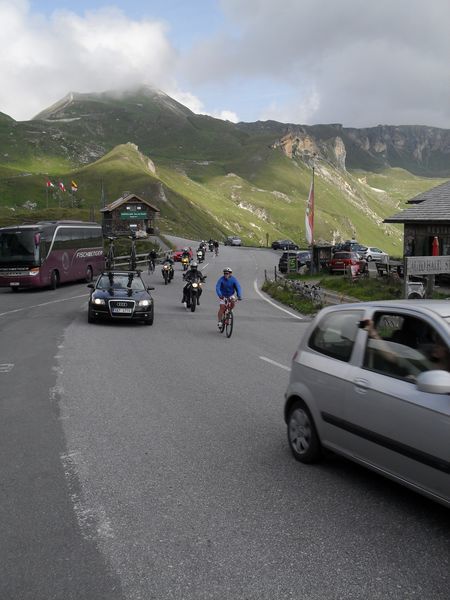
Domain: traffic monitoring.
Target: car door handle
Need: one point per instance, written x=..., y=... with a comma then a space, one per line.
x=361, y=384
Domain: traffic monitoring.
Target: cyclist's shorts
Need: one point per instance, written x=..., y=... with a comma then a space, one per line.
x=233, y=297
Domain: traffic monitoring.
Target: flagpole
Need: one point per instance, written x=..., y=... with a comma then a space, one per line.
x=312, y=227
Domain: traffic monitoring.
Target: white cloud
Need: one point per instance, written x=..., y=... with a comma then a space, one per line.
x=384, y=62
x=197, y=106
x=42, y=60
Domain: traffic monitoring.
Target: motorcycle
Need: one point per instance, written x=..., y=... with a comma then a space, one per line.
x=167, y=273
x=193, y=291
x=211, y=246
x=185, y=263
x=200, y=255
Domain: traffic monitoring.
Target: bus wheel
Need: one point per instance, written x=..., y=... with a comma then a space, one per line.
x=89, y=275
x=54, y=280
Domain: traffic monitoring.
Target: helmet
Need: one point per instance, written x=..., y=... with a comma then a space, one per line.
x=227, y=270
x=194, y=265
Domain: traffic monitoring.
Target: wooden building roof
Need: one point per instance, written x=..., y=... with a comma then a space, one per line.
x=432, y=206
x=128, y=197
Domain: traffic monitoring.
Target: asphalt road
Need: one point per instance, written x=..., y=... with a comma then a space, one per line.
x=152, y=463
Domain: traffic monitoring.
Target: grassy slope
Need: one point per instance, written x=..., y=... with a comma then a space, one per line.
x=217, y=179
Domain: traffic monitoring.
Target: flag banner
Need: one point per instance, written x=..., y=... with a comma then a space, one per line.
x=49, y=183
x=61, y=186
x=74, y=186
x=309, y=216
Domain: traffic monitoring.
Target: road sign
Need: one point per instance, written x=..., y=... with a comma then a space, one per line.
x=427, y=265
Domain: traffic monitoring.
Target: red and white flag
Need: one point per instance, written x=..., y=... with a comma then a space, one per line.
x=309, y=216
x=61, y=186
x=49, y=183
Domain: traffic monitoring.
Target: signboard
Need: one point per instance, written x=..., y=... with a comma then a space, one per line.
x=133, y=214
x=427, y=265
x=292, y=264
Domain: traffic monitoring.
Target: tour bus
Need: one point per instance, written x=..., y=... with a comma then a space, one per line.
x=49, y=253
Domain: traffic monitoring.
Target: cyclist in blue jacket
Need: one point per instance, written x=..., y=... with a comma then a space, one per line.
x=226, y=287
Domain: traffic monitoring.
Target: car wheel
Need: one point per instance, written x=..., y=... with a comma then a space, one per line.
x=54, y=280
x=302, y=435
x=368, y=258
x=89, y=275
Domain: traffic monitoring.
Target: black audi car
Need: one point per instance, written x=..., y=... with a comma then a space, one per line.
x=120, y=296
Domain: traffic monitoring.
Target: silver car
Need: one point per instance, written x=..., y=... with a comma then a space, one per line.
x=371, y=382
x=374, y=253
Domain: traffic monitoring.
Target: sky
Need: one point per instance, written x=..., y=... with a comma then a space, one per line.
x=306, y=62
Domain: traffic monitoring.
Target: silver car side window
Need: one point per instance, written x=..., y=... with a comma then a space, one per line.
x=335, y=334
x=403, y=346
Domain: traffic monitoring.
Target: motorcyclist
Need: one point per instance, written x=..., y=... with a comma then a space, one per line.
x=169, y=261
x=226, y=287
x=201, y=252
x=191, y=276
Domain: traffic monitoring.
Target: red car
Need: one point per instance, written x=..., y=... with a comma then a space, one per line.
x=343, y=261
x=177, y=254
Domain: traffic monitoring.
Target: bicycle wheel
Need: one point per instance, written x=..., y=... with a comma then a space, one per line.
x=229, y=324
x=109, y=263
x=222, y=325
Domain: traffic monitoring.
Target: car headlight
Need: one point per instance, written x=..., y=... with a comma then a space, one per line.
x=144, y=302
x=99, y=301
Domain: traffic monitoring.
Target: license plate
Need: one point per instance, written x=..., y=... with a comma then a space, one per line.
x=14, y=283
x=122, y=311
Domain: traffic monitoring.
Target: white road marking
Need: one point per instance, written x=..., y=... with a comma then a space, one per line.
x=6, y=367
x=255, y=285
x=10, y=312
x=273, y=362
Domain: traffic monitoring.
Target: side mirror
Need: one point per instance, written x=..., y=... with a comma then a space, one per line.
x=434, y=382
x=205, y=276
x=149, y=289
x=91, y=286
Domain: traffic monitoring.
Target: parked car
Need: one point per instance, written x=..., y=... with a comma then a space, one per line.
x=120, y=296
x=233, y=240
x=343, y=261
x=177, y=254
x=373, y=253
x=284, y=245
x=302, y=258
x=350, y=246
x=379, y=399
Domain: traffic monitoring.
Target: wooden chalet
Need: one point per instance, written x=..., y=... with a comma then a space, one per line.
x=129, y=210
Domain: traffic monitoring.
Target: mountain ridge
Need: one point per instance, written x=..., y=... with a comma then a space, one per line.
x=249, y=178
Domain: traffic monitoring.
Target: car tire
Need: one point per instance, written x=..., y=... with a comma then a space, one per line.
x=54, y=280
x=302, y=434
x=368, y=258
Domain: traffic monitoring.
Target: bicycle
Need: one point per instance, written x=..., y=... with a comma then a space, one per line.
x=133, y=258
x=228, y=317
x=109, y=259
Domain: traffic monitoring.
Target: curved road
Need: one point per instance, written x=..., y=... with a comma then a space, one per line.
x=152, y=463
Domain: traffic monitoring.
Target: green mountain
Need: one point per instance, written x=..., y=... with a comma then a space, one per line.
x=211, y=177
